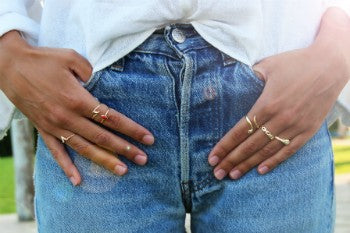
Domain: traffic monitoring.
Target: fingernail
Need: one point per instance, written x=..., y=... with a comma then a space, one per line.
x=235, y=174
x=263, y=169
x=219, y=174
x=213, y=160
x=140, y=159
x=73, y=180
x=148, y=139
x=120, y=170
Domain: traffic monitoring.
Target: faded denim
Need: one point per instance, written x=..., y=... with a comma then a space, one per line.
x=188, y=95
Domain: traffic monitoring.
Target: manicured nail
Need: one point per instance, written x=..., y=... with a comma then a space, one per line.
x=219, y=174
x=235, y=174
x=148, y=139
x=140, y=159
x=263, y=169
x=120, y=170
x=213, y=160
x=73, y=180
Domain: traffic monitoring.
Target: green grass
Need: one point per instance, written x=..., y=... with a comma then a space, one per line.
x=341, y=159
x=7, y=196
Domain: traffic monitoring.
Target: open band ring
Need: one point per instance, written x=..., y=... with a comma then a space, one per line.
x=256, y=123
x=95, y=111
x=104, y=116
x=65, y=139
x=267, y=132
x=285, y=141
x=251, y=130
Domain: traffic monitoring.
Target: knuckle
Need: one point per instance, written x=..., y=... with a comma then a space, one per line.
x=58, y=117
x=221, y=150
x=249, y=148
x=116, y=120
x=245, y=166
x=54, y=152
x=234, y=136
x=82, y=149
x=270, y=109
x=266, y=151
x=290, y=150
x=75, y=103
x=102, y=138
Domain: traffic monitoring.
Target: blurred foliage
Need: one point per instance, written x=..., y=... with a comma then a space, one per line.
x=5, y=146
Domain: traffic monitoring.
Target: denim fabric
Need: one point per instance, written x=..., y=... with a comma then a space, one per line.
x=188, y=95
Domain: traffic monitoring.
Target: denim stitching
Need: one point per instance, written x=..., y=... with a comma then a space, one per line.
x=174, y=90
x=153, y=52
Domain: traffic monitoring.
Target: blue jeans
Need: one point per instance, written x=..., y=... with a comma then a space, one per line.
x=188, y=94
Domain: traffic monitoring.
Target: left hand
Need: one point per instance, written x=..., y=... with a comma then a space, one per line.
x=301, y=86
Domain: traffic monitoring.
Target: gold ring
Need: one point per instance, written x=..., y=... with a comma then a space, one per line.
x=256, y=123
x=65, y=139
x=251, y=130
x=104, y=116
x=267, y=132
x=285, y=141
x=95, y=112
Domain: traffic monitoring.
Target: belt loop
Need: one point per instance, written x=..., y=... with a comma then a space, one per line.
x=118, y=65
x=227, y=60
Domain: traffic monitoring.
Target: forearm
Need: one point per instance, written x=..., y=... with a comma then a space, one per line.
x=333, y=37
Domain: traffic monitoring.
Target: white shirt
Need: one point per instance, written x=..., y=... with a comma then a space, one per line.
x=105, y=30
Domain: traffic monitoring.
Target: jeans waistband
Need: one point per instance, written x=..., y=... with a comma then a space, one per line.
x=173, y=40
x=179, y=37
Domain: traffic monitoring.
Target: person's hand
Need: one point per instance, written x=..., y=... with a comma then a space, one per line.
x=43, y=83
x=301, y=86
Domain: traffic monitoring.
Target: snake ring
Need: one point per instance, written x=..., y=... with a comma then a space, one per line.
x=251, y=130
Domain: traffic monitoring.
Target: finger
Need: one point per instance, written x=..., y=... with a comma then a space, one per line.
x=264, y=153
x=104, y=138
x=121, y=123
x=261, y=155
x=93, y=152
x=61, y=156
x=79, y=65
x=283, y=154
x=250, y=146
x=233, y=138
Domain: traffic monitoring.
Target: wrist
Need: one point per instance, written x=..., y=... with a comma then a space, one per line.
x=332, y=43
x=12, y=47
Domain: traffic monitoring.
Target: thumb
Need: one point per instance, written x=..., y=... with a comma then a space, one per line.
x=259, y=71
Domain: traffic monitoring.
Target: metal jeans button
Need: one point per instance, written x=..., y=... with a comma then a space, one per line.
x=178, y=35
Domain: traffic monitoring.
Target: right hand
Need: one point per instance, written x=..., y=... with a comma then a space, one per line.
x=43, y=83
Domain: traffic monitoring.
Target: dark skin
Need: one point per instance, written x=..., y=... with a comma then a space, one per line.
x=58, y=105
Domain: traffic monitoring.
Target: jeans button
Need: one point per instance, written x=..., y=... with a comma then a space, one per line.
x=178, y=35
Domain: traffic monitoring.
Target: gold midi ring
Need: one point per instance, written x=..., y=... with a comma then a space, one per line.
x=267, y=132
x=251, y=130
x=104, y=116
x=95, y=112
x=65, y=139
x=285, y=141
x=256, y=123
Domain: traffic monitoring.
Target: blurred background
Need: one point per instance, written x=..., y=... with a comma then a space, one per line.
x=16, y=170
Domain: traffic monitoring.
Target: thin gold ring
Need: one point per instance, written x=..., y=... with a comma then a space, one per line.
x=256, y=123
x=104, y=116
x=95, y=112
x=65, y=139
x=251, y=130
x=285, y=141
x=267, y=132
